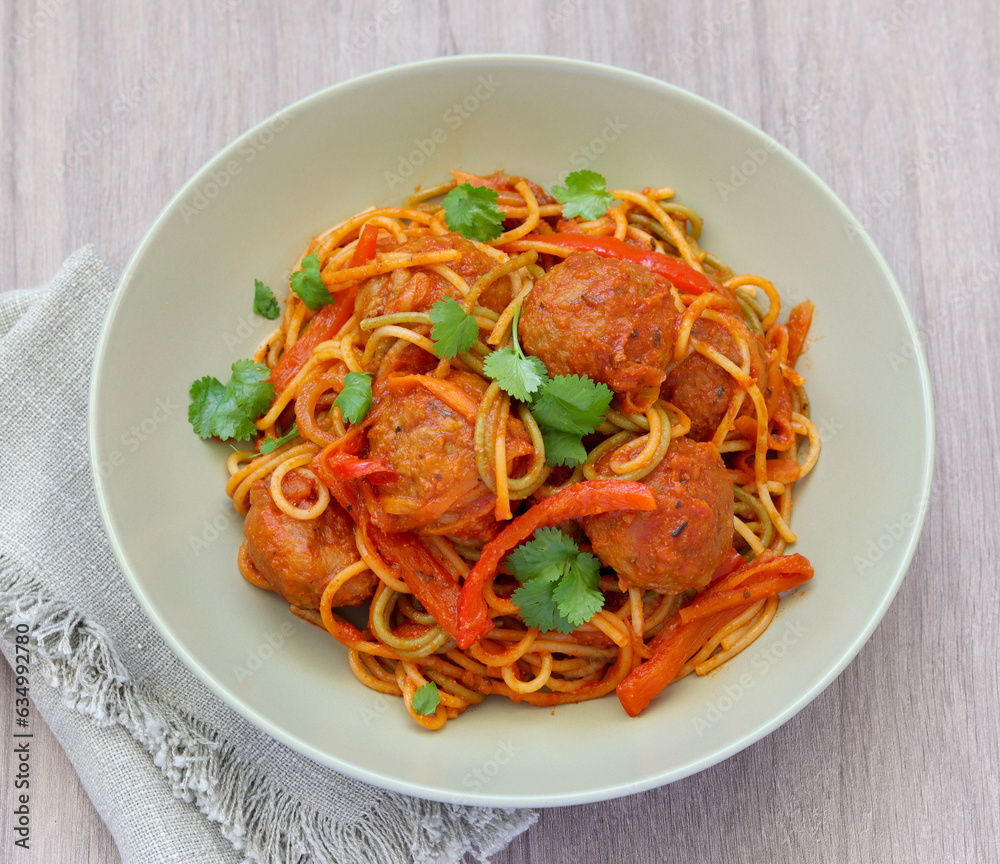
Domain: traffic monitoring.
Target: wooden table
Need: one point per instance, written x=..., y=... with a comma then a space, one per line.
x=106, y=111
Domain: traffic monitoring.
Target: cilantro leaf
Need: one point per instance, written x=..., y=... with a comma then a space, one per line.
x=585, y=194
x=544, y=557
x=251, y=388
x=472, y=211
x=265, y=303
x=454, y=330
x=309, y=285
x=538, y=606
x=230, y=411
x=426, y=698
x=272, y=444
x=516, y=373
x=356, y=397
x=558, y=582
x=206, y=395
x=576, y=594
x=563, y=448
x=572, y=403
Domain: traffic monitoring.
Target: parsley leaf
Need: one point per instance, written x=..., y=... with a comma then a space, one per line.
x=585, y=194
x=265, y=303
x=230, y=411
x=558, y=582
x=272, y=444
x=426, y=698
x=356, y=397
x=454, y=330
x=516, y=373
x=309, y=285
x=472, y=211
x=563, y=448
x=572, y=403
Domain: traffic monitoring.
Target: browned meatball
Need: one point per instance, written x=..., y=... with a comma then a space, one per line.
x=681, y=543
x=609, y=319
x=431, y=446
x=299, y=557
x=406, y=290
x=703, y=389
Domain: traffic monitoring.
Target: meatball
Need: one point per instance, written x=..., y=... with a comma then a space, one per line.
x=406, y=290
x=297, y=557
x=701, y=388
x=609, y=319
x=681, y=543
x=431, y=446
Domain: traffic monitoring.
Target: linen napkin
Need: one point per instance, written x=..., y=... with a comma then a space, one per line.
x=176, y=774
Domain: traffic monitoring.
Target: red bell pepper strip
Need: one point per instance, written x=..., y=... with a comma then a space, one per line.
x=673, y=646
x=322, y=327
x=581, y=499
x=728, y=595
x=682, y=276
x=756, y=581
x=367, y=246
x=376, y=470
x=328, y=320
x=341, y=460
x=732, y=562
x=431, y=583
x=346, y=491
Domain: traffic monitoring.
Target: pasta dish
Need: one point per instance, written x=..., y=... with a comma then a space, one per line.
x=511, y=441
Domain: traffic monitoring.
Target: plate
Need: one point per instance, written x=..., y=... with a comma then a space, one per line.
x=183, y=310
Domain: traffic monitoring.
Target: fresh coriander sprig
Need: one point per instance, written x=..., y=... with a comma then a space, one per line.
x=585, y=194
x=572, y=403
x=518, y=374
x=568, y=408
x=426, y=698
x=558, y=582
x=472, y=211
x=229, y=410
x=454, y=330
x=265, y=303
x=309, y=285
x=356, y=397
x=272, y=444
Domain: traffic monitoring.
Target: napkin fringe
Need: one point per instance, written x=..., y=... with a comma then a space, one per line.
x=263, y=822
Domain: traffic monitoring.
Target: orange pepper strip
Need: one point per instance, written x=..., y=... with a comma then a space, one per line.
x=452, y=396
x=799, y=320
x=581, y=499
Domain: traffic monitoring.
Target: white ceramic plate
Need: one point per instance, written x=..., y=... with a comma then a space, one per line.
x=183, y=310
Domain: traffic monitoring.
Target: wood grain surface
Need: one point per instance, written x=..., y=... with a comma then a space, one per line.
x=107, y=109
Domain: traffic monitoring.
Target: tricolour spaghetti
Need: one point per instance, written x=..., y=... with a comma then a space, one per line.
x=426, y=555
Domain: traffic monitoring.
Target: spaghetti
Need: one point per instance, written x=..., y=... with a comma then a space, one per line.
x=409, y=514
